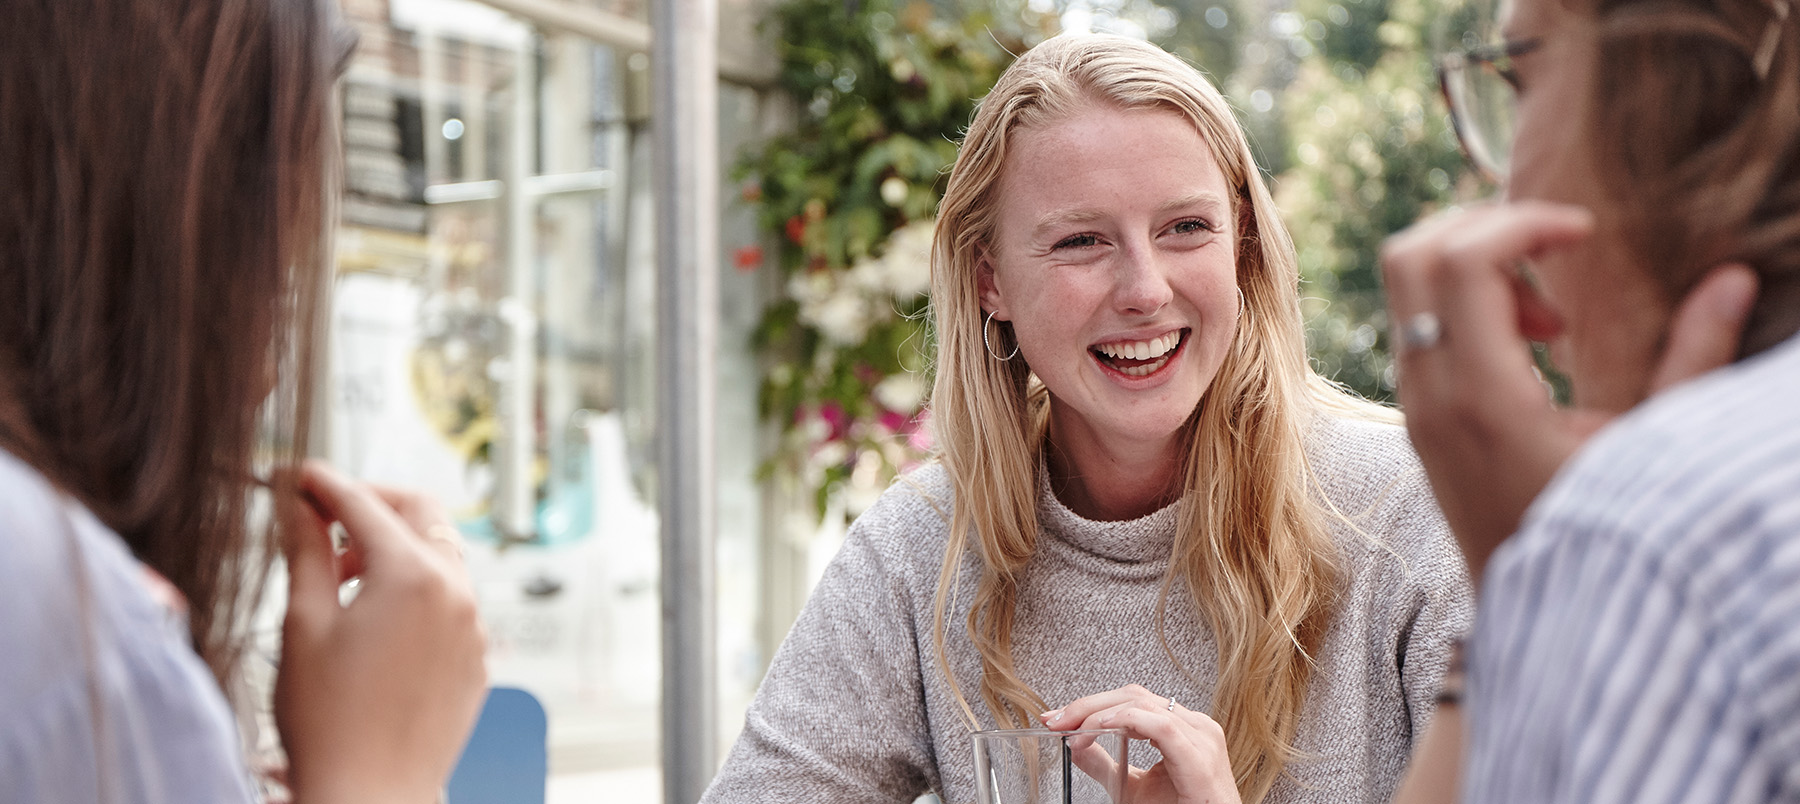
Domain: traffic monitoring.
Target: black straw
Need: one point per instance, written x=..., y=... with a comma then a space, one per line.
x=1068, y=773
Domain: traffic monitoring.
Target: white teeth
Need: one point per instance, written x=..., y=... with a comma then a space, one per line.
x=1141, y=350
x=1146, y=369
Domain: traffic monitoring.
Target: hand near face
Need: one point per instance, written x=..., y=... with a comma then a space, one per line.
x=375, y=699
x=1195, y=767
x=1486, y=429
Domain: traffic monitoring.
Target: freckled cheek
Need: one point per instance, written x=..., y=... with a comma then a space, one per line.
x=1049, y=326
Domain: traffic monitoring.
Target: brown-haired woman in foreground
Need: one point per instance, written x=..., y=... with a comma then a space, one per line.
x=1148, y=511
x=164, y=204
x=1637, y=637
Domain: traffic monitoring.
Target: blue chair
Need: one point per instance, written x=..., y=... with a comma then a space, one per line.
x=507, y=758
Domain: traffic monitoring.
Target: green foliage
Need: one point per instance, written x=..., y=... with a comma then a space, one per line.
x=1371, y=152
x=884, y=92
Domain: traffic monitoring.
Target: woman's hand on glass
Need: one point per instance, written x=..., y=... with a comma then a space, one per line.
x=1485, y=427
x=376, y=698
x=1195, y=766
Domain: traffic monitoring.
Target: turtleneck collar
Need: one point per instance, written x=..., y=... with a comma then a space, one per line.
x=1131, y=541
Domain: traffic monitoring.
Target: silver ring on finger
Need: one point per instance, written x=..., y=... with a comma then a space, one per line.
x=1171, y=703
x=1419, y=331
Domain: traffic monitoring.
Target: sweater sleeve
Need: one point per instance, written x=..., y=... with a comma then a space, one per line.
x=1439, y=606
x=840, y=715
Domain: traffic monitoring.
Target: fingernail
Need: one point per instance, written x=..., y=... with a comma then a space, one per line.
x=1050, y=715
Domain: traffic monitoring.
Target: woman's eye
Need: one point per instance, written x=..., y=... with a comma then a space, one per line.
x=1078, y=241
x=1191, y=226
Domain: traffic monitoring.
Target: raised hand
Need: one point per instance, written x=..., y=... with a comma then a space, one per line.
x=375, y=699
x=1486, y=430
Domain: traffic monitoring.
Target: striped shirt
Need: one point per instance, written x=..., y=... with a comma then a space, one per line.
x=1639, y=639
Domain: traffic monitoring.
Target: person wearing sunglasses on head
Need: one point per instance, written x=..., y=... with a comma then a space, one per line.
x=1639, y=551
x=165, y=197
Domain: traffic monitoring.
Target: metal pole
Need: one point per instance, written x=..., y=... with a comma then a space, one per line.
x=516, y=507
x=684, y=76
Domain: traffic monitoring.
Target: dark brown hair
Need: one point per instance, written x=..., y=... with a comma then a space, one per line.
x=163, y=211
x=1696, y=123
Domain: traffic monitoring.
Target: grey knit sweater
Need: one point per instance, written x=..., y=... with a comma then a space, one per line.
x=855, y=709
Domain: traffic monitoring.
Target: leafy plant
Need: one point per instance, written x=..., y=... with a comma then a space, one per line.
x=850, y=195
x=1335, y=93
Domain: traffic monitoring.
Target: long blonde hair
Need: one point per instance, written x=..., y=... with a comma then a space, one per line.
x=1251, y=545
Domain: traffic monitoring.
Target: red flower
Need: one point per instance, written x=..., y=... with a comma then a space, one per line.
x=796, y=229
x=747, y=259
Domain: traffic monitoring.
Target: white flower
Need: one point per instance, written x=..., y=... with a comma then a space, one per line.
x=814, y=430
x=901, y=392
x=830, y=454
x=869, y=275
x=907, y=259
x=843, y=318
x=810, y=287
x=893, y=191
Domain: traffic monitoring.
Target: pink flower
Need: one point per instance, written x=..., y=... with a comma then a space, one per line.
x=894, y=422
x=834, y=415
x=919, y=438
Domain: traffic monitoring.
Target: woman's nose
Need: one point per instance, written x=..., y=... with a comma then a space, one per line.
x=1143, y=283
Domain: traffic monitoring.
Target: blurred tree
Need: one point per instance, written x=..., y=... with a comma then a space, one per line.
x=884, y=91
x=1372, y=151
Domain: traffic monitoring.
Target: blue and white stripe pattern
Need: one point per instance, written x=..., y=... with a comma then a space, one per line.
x=1639, y=639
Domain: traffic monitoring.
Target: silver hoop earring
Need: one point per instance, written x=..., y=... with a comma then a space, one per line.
x=989, y=345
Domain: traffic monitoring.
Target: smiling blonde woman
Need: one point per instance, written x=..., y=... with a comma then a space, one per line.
x=1148, y=512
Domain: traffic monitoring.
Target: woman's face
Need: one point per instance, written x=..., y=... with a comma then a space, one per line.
x=1115, y=258
x=1611, y=315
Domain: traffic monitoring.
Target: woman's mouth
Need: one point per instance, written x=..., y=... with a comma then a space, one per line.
x=1140, y=358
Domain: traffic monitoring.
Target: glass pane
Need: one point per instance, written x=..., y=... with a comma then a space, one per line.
x=453, y=300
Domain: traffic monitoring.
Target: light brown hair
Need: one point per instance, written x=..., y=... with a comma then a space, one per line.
x=1251, y=546
x=163, y=209
x=1695, y=121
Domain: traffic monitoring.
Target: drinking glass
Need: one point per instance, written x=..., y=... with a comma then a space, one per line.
x=1039, y=766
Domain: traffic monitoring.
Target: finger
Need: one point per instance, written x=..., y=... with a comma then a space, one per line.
x=1174, y=739
x=1469, y=280
x=1477, y=287
x=1538, y=321
x=1407, y=258
x=447, y=541
x=1521, y=229
x=1104, y=718
x=311, y=563
x=1708, y=326
x=350, y=563
x=427, y=518
x=1098, y=763
x=420, y=510
x=377, y=531
x=1081, y=710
